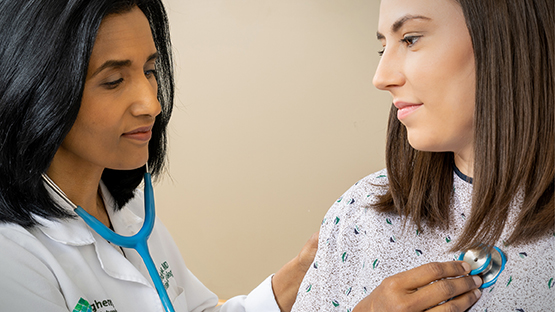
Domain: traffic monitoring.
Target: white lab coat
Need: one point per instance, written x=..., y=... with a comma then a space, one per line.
x=64, y=265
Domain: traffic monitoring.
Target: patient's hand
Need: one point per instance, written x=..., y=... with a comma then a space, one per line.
x=287, y=280
x=411, y=290
x=307, y=254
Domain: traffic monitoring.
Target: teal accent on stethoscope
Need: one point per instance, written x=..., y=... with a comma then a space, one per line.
x=487, y=265
x=137, y=241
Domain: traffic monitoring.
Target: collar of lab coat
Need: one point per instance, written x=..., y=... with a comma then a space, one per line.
x=76, y=232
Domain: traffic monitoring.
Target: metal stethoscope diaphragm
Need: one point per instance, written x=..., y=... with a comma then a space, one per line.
x=487, y=265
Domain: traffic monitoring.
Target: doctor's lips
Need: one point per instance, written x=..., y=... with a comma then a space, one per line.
x=140, y=134
x=405, y=109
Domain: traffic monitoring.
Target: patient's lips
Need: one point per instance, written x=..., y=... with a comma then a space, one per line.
x=405, y=108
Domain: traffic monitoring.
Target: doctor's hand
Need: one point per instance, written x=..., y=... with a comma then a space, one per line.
x=425, y=287
x=287, y=280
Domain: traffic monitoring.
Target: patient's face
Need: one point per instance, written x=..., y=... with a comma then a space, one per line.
x=428, y=67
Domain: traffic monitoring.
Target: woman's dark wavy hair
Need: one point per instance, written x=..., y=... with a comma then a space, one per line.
x=45, y=47
x=514, y=42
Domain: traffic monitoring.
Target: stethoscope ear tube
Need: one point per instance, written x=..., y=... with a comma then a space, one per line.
x=487, y=265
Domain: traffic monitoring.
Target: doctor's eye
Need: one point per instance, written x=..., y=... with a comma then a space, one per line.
x=113, y=84
x=410, y=40
x=151, y=73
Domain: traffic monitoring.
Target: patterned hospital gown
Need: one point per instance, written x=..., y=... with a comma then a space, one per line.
x=359, y=247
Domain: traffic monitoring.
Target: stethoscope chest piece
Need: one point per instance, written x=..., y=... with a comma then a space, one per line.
x=487, y=265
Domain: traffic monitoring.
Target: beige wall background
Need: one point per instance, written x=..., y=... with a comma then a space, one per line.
x=276, y=116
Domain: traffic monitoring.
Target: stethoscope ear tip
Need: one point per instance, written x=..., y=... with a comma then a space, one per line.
x=487, y=265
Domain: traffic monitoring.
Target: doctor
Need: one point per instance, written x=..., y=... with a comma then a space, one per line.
x=86, y=93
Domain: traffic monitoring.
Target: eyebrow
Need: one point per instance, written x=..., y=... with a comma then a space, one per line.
x=120, y=63
x=400, y=22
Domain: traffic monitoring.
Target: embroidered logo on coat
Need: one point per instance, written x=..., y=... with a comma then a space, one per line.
x=103, y=305
x=82, y=306
x=165, y=274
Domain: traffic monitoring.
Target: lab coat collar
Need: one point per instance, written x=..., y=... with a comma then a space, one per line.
x=76, y=232
x=72, y=231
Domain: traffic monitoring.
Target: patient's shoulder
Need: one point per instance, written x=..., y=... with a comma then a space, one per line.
x=375, y=182
x=364, y=192
x=358, y=199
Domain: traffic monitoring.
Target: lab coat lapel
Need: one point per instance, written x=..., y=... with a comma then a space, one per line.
x=115, y=265
x=131, y=254
x=73, y=232
x=125, y=223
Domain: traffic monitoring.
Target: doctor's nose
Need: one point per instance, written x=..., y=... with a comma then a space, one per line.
x=145, y=99
x=388, y=74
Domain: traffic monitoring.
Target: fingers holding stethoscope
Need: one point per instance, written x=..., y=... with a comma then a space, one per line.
x=450, y=294
x=438, y=286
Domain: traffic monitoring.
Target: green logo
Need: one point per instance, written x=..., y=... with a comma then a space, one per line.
x=82, y=306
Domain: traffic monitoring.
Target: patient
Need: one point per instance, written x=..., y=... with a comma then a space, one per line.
x=470, y=162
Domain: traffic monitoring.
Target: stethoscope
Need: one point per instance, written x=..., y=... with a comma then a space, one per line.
x=487, y=265
x=137, y=241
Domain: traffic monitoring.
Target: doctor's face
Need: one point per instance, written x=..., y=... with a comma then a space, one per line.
x=119, y=104
x=427, y=66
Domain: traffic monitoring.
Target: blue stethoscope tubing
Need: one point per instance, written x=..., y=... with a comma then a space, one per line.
x=137, y=241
